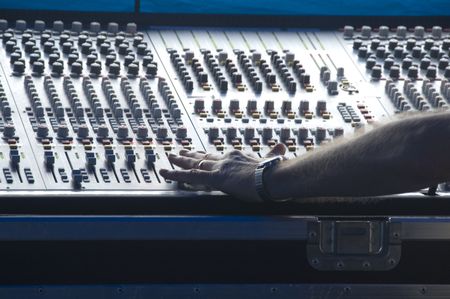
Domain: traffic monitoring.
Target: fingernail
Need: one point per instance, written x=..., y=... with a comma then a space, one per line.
x=172, y=155
x=163, y=171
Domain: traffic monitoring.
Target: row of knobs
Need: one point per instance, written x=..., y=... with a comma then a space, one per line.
x=73, y=56
x=213, y=66
x=59, y=26
x=267, y=133
x=269, y=106
x=250, y=71
x=283, y=71
x=400, y=31
x=181, y=70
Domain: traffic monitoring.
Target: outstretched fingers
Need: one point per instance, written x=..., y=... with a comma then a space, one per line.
x=200, y=155
x=190, y=176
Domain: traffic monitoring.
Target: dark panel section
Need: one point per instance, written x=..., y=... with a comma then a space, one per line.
x=201, y=262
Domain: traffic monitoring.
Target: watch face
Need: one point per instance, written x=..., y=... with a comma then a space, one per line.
x=270, y=161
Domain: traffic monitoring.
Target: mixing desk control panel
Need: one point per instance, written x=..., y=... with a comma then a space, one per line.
x=92, y=107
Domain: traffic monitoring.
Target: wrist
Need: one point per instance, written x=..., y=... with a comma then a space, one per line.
x=274, y=183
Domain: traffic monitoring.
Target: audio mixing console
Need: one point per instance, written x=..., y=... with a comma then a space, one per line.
x=98, y=107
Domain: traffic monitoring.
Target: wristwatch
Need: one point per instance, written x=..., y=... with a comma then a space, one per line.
x=259, y=177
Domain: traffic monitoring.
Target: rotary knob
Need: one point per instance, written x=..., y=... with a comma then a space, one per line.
x=302, y=133
x=142, y=132
x=285, y=134
x=249, y=133
x=62, y=131
x=9, y=131
x=83, y=131
x=181, y=132
x=161, y=133
x=267, y=133
x=131, y=28
x=58, y=26
x=102, y=131
x=320, y=133
x=122, y=132
x=42, y=131
x=231, y=133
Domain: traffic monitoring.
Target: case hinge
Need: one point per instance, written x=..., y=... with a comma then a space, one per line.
x=353, y=245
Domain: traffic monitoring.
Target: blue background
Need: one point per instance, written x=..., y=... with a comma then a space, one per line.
x=71, y=5
x=301, y=7
x=248, y=7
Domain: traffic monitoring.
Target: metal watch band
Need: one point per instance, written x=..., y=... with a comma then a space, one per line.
x=259, y=177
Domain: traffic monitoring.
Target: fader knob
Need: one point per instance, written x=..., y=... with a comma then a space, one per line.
x=62, y=131
x=320, y=133
x=436, y=32
x=3, y=24
x=366, y=31
x=249, y=133
x=425, y=63
x=96, y=68
x=285, y=134
x=39, y=25
x=58, y=26
x=131, y=28
x=338, y=132
x=38, y=68
x=383, y=31
x=142, y=132
x=413, y=72
x=376, y=72
x=434, y=52
x=213, y=133
x=161, y=132
x=122, y=132
x=419, y=31
x=431, y=72
x=302, y=133
x=393, y=43
x=21, y=25
x=18, y=67
x=77, y=177
x=49, y=158
x=42, y=131
x=114, y=69
x=231, y=133
x=267, y=133
x=348, y=31
x=133, y=69
x=113, y=28
x=77, y=27
x=14, y=157
x=410, y=44
x=9, y=131
x=152, y=69
x=357, y=43
x=57, y=68
x=76, y=68
x=102, y=131
x=83, y=131
x=394, y=72
x=447, y=72
x=94, y=27
x=446, y=44
x=401, y=31
x=181, y=133
x=443, y=63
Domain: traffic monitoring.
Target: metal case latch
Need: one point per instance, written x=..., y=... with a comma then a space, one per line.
x=353, y=245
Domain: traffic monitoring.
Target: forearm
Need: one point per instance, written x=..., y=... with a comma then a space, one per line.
x=401, y=156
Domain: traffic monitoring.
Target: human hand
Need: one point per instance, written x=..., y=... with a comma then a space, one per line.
x=232, y=173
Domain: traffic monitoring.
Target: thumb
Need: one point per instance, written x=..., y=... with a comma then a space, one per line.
x=277, y=150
